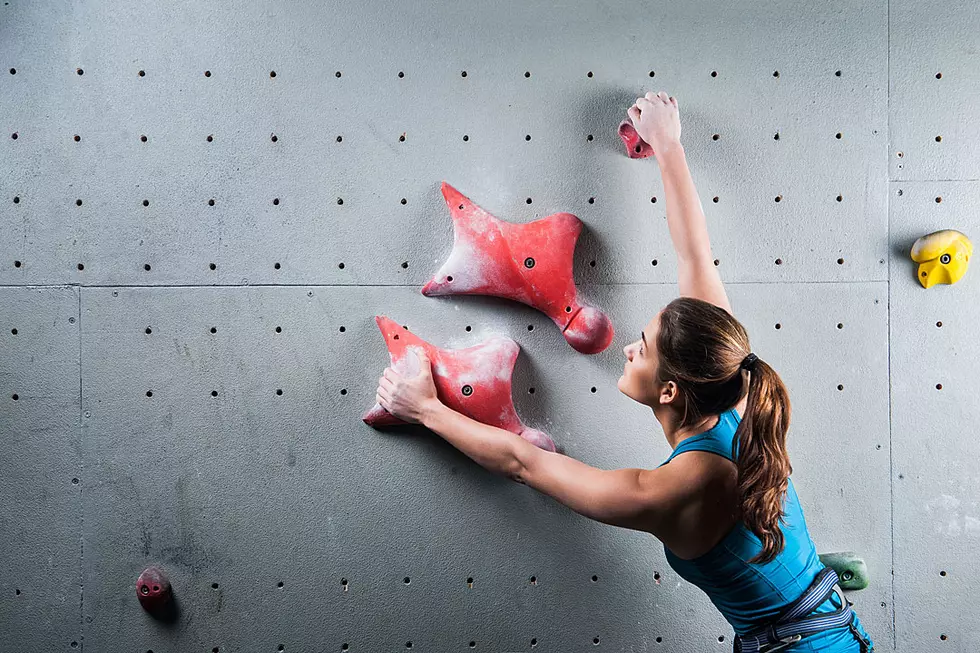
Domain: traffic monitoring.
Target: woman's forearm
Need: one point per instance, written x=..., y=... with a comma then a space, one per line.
x=685, y=215
x=491, y=447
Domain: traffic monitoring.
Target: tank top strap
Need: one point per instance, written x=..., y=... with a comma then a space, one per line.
x=719, y=439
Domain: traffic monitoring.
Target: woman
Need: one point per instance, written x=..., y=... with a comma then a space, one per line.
x=722, y=503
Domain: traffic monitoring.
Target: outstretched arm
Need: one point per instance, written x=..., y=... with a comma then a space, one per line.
x=657, y=121
x=639, y=499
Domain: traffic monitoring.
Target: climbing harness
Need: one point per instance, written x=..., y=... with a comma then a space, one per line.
x=791, y=626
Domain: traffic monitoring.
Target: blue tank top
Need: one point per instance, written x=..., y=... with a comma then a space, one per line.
x=748, y=595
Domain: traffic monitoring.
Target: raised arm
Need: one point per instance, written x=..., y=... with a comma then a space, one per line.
x=657, y=121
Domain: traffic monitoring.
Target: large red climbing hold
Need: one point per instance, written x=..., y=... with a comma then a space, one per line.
x=529, y=263
x=636, y=147
x=474, y=381
x=153, y=589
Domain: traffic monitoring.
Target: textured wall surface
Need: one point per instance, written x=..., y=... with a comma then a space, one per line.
x=203, y=205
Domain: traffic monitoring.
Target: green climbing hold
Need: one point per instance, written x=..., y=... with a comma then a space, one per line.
x=850, y=568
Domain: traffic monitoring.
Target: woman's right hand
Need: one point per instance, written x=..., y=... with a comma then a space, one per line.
x=657, y=121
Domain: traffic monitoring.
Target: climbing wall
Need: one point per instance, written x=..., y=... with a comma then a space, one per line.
x=203, y=205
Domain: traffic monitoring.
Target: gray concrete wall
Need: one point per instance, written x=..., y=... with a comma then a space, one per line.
x=288, y=525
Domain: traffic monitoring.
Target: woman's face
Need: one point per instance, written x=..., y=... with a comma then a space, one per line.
x=639, y=380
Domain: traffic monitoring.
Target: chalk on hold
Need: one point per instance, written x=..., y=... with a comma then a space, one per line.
x=529, y=263
x=475, y=381
x=850, y=567
x=636, y=147
x=943, y=257
x=153, y=589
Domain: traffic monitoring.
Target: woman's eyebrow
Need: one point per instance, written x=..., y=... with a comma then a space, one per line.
x=644, y=336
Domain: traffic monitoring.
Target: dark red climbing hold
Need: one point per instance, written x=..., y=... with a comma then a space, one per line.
x=636, y=147
x=153, y=589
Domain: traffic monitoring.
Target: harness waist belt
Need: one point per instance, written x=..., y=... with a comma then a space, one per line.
x=791, y=626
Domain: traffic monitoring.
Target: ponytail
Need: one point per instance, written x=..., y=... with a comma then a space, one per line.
x=763, y=462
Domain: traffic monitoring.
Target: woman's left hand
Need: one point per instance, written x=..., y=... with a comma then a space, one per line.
x=408, y=397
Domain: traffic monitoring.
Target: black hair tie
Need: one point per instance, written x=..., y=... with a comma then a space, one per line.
x=748, y=363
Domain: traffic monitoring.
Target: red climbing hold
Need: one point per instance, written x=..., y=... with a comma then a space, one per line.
x=153, y=589
x=636, y=147
x=474, y=381
x=529, y=263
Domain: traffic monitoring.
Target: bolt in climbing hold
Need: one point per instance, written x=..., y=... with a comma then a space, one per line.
x=467, y=390
x=529, y=262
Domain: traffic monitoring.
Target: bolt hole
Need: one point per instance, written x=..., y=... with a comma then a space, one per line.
x=778, y=325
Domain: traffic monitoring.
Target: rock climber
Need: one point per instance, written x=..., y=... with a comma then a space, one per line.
x=722, y=503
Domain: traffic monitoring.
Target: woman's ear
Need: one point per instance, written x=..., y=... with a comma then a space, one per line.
x=668, y=393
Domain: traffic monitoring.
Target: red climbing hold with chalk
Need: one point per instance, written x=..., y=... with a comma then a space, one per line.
x=529, y=263
x=153, y=589
x=474, y=381
x=636, y=147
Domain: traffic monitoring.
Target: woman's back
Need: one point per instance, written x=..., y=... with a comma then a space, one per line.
x=751, y=595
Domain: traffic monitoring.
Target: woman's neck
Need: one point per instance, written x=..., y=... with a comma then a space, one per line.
x=669, y=421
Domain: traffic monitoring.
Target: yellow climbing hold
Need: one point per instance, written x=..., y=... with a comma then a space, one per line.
x=942, y=257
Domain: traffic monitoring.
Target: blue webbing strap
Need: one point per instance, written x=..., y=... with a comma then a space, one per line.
x=789, y=629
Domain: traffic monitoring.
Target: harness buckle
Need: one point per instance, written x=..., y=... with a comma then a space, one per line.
x=783, y=643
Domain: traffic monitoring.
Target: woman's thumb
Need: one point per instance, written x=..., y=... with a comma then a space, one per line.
x=425, y=367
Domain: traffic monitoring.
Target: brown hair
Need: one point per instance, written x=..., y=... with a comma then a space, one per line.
x=701, y=348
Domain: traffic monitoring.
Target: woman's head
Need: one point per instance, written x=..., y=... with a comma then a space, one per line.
x=689, y=360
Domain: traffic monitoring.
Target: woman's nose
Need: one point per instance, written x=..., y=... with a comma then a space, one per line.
x=628, y=350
